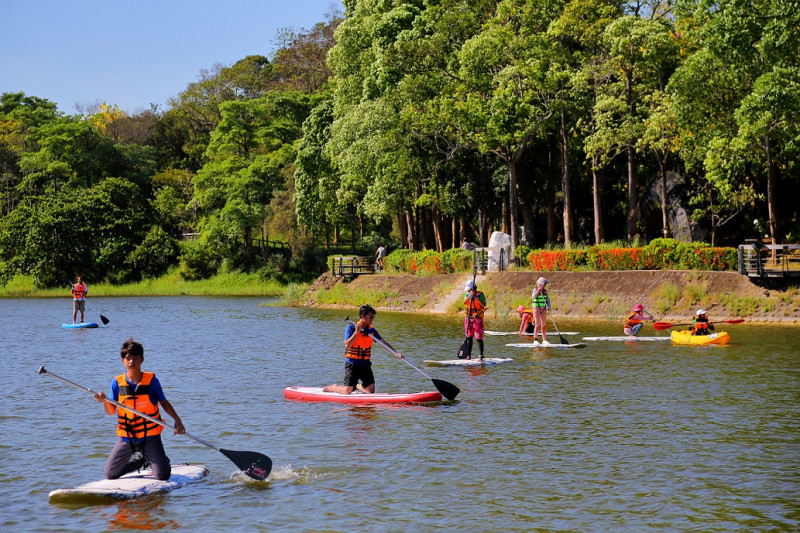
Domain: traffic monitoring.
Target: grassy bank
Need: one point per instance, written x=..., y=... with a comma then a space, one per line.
x=171, y=284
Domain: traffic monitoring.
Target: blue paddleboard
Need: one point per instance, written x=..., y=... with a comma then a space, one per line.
x=78, y=326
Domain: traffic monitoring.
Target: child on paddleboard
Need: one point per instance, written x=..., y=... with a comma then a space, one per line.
x=540, y=301
x=358, y=340
x=475, y=304
x=526, y=325
x=633, y=323
x=141, y=391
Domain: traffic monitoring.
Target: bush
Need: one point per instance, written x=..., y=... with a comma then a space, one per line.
x=155, y=255
x=398, y=261
x=198, y=262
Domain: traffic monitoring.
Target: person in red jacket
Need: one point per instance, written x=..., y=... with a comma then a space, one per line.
x=79, y=292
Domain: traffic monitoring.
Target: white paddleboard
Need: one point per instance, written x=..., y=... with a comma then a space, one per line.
x=537, y=344
x=527, y=334
x=129, y=486
x=626, y=338
x=469, y=362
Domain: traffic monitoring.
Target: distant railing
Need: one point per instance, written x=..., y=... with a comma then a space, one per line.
x=769, y=260
x=352, y=265
x=492, y=258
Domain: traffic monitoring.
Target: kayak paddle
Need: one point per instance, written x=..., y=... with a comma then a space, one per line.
x=448, y=390
x=659, y=326
x=253, y=464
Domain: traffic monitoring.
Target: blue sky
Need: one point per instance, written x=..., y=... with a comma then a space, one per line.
x=136, y=52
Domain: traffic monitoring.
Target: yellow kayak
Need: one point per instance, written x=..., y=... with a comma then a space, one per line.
x=685, y=337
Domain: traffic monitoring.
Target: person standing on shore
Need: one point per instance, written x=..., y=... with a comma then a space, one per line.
x=540, y=301
x=633, y=323
x=79, y=292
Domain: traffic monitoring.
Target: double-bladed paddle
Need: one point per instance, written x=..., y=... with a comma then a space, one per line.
x=253, y=464
x=659, y=326
x=448, y=390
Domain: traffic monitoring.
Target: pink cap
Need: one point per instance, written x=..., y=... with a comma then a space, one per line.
x=520, y=309
x=638, y=307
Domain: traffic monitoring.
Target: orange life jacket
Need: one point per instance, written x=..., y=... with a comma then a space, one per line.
x=630, y=321
x=129, y=424
x=79, y=291
x=700, y=326
x=474, y=308
x=361, y=347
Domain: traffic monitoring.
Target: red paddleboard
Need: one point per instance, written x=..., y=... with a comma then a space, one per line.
x=316, y=394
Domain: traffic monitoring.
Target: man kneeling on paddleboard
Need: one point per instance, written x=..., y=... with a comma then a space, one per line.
x=357, y=351
x=141, y=391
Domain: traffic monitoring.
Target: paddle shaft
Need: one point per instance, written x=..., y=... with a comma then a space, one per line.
x=560, y=336
x=42, y=370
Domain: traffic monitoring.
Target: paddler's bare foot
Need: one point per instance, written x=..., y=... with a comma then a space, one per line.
x=331, y=388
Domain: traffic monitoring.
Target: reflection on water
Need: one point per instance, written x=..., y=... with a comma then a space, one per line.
x=617, y=436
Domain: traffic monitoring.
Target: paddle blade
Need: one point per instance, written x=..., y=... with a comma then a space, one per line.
x=255, y=465
x=659, y=326
x=448, y=390
x=465, y=350
x=104, y=320
x=734, y=321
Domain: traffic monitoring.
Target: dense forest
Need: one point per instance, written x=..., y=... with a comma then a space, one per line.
x=418, y=123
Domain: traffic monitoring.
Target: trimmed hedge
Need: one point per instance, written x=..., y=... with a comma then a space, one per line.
x=660, y=254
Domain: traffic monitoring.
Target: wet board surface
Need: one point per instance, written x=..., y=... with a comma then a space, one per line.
x=626, y=338
x=316, y=394
x=528, y=334
x=85, y=325
x=469, y=362
x=129, y=486
x=549, y=345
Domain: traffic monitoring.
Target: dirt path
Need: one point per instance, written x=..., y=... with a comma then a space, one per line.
x=668, y=295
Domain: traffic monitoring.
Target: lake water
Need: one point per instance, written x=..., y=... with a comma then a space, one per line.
x=612, y=437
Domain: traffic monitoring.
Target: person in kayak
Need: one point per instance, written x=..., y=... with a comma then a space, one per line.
x=700, y=323
x=526, y=325
x=475, y=304
x=633, y=323
x=357, y=351
x=540, y=302
x=139, y=439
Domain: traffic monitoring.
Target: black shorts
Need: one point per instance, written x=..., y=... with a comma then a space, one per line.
x=353, y=373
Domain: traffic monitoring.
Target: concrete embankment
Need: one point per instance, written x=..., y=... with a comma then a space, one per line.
x=669, y=295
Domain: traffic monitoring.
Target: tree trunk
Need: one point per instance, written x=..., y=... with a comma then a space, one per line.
x=528, y=221
x=634, y=213
x=664, y=212
x=402, y=226
x=437, y=221
x=550, y=193
x=512, y=204
x=455, y=242
x=599, y=232
x=568, y=224
x=481, y=226
x=772, y=202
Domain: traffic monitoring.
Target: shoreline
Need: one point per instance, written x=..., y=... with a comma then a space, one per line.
x=669, y=295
